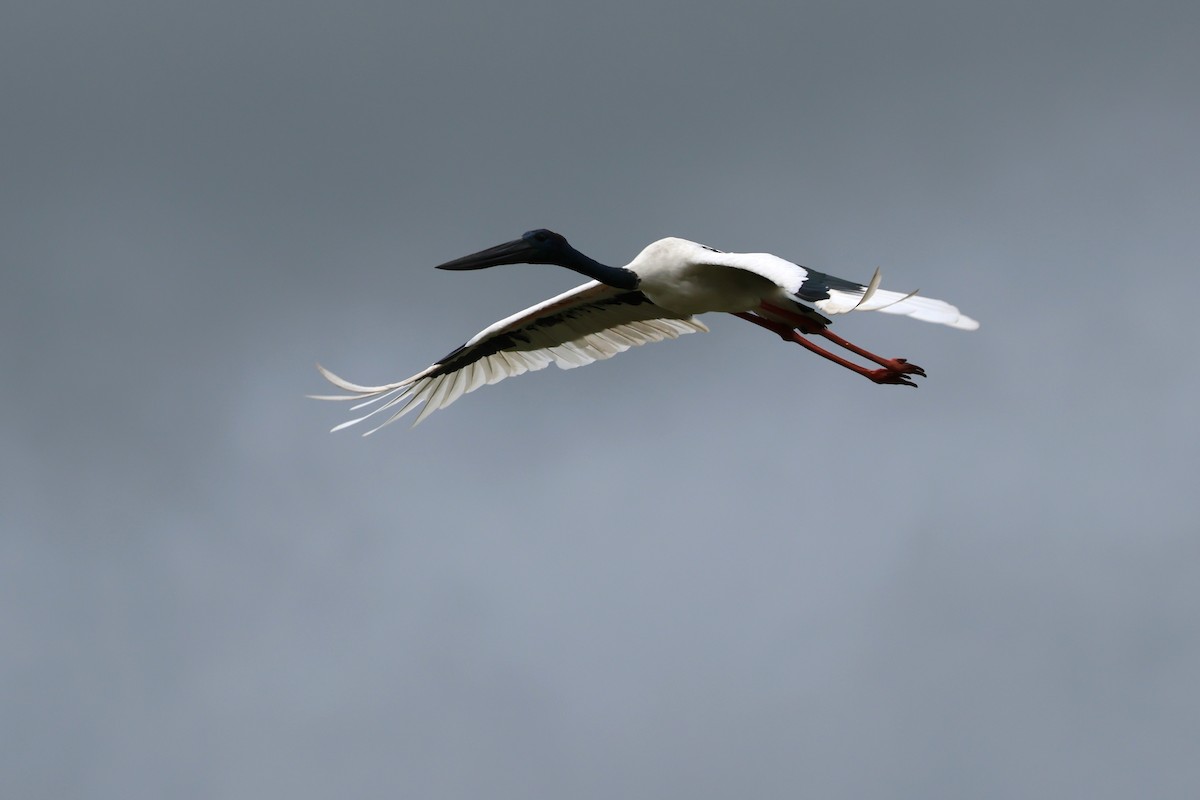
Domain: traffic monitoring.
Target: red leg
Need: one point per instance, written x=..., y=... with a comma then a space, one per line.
x=895, y=364
x=900, y=365
x=791, y=335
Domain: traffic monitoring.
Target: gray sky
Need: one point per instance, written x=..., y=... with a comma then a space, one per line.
x=717, y=567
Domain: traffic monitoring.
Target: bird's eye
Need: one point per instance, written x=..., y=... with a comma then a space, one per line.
x=541, y=236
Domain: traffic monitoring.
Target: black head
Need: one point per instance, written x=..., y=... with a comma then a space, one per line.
x=548, y=247
x=545, y=247
x=534, y=247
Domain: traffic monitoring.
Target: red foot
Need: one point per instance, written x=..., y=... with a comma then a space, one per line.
x=902, y=366
x=889, y=376
x=896, y=372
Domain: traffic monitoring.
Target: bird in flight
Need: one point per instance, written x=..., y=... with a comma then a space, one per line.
x=654, y=297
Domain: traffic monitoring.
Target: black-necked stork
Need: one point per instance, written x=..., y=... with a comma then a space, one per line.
x=654, y=297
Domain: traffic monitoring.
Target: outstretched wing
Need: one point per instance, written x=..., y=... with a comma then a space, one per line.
x=832, y=295
x=589, y=323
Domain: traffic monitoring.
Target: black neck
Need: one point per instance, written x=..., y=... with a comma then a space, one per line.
x=617, y=277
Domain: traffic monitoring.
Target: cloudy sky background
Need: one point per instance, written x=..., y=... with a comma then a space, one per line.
x=717, y=567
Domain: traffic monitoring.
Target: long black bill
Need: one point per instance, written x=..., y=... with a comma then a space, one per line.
x=517, y=251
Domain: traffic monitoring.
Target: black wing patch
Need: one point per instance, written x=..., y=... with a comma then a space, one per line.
x=523, y=338
x=816, y=286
